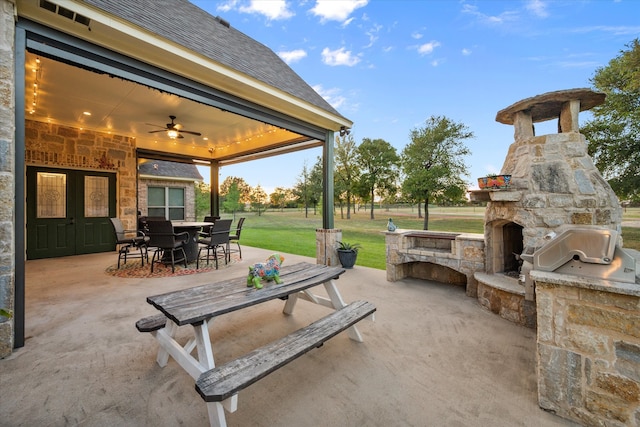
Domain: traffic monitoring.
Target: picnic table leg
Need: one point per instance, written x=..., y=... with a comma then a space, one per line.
x=205, y=357
x=163, y=355
x=290, y=304
x=338, y=303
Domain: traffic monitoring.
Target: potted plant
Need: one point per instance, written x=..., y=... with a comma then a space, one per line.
x=347, y=253
x=492, y=181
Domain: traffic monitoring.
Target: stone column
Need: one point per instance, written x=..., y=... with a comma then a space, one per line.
x=7, y=172
x=326, y=246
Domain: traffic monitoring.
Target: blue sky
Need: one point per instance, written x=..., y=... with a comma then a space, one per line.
x=389, y=65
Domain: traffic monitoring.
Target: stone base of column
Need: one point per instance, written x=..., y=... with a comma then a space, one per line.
x=326, y=246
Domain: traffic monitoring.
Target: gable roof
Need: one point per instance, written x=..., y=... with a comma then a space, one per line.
x=164, y=169
x=191, y=27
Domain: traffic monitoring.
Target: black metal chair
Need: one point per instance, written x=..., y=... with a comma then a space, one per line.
x=235, y=238
x=128, y=240
x=167, y=243
x=218, y=238
x=206, y=230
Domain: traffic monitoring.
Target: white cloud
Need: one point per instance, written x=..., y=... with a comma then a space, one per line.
x=292, y=56
x=339, y=57
x=466, y=52
x=373, y=34
x=332, y=10
x=427, y=48
x=272, y=9
x=332, y=96
x=416, y=35
x=538, y=8
x=503, y=18
x=227, y=6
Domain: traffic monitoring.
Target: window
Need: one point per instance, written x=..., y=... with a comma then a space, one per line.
x=96, y=196
x=52, y=195
x=167, y=202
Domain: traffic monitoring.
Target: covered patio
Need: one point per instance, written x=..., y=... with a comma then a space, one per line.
x=432, y=356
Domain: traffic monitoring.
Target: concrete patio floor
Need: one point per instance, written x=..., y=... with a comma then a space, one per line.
x=432, y=357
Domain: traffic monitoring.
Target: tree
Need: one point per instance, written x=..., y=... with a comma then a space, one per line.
x=280, y=197
x=346, y=171
x=433, y=161
x=614, y=132
x=203, y=200
x=259, y=199
x=302, y=189
x=378, y=162
x=242, y=186
x=231, y=201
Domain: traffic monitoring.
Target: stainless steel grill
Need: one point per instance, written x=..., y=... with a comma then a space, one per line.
x=590, y=252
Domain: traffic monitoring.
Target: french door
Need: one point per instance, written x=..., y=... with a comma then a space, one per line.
x=68, y=212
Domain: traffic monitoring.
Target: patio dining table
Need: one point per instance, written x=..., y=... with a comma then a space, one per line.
x=191, y=227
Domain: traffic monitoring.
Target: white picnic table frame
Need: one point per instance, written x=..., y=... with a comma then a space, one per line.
x=201, y=340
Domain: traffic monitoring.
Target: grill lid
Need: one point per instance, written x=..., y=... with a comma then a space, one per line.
x=586, y=252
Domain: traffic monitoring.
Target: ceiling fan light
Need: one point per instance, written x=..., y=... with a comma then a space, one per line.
x=173, y=134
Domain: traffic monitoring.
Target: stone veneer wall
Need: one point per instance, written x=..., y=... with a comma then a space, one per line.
x=7, y=172
x=48, y=144
x=588, y=349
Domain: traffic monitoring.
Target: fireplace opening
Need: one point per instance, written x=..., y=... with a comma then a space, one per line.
x=504, y=248
x=513, y=246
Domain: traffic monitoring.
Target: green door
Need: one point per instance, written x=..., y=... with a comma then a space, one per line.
x=68, y=212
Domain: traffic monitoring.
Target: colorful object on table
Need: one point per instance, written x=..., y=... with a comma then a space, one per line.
x=267, y=271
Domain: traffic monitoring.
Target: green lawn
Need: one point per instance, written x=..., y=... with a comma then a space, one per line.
x=291, y=232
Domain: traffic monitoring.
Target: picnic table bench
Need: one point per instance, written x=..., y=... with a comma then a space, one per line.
x=198, y=306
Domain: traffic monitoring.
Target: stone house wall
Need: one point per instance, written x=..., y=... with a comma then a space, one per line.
x=48, y=144
x=7, y=172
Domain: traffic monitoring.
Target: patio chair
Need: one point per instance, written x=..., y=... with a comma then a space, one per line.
x=217, y=239
x=128, y=240
x=207, y=229
x=167, y=244
x=235, y=238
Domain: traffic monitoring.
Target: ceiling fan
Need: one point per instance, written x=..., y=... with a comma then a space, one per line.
x=173, y=129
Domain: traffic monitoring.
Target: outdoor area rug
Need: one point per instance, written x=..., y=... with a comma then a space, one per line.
x=133, y=269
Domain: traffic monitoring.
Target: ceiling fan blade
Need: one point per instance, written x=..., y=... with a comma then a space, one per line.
x=179, y=136
x=154, y=125
x=160, y=130
x=189, y=132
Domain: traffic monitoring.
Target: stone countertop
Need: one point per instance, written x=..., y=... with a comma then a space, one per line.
x=583, y=282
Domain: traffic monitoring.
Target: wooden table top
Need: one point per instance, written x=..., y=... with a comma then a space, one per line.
x=190, y=224
x=193, y=305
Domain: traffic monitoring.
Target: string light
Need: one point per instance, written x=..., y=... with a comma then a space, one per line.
x=36, y=84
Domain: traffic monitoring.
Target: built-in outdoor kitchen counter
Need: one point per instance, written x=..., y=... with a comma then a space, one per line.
x=430, y=255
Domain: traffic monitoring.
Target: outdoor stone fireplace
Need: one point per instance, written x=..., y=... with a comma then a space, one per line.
x=553, y=183
x=558, y=207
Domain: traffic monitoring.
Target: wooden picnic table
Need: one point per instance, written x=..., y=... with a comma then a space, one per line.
x=198, y=306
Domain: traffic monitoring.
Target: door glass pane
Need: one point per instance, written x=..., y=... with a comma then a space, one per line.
x=51, y=195
x=96, y=196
